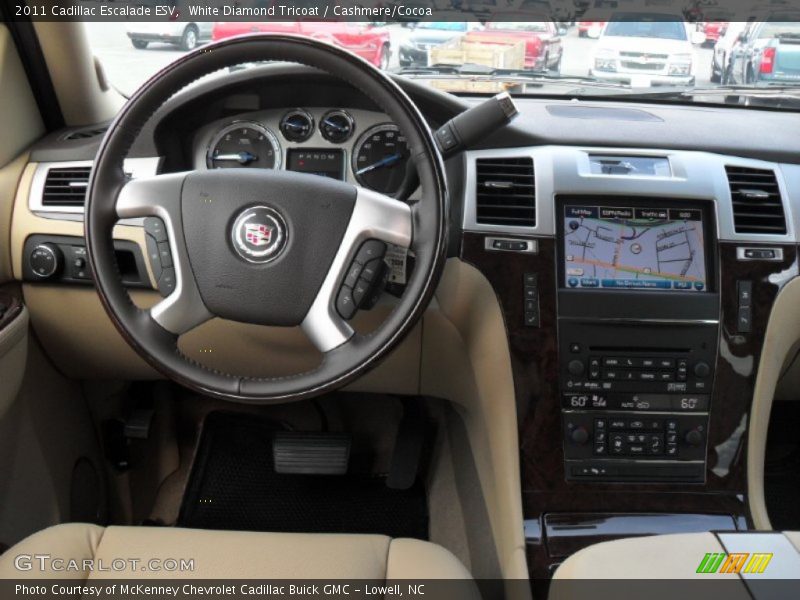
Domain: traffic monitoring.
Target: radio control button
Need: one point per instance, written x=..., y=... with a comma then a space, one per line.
x=611, y=361
x=702, y=370
x=575, y=367
x=647, y=376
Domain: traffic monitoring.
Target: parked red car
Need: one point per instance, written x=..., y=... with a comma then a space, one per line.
x=543, y=48
x=369, y=42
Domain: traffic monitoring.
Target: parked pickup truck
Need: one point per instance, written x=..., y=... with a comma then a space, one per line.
x=543, y=47
x=767, y=52
x=368, y=41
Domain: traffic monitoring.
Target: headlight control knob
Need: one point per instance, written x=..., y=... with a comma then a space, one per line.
x=46, y=260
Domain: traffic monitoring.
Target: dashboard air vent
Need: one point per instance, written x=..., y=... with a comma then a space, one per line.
x=66, y=186
x=83, y=134
x=506, y=192
x=757, y=205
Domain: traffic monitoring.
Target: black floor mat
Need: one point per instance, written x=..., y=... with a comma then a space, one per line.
x=782, y=468
x=233, y=485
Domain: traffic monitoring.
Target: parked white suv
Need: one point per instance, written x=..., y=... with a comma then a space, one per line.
x=646, y=50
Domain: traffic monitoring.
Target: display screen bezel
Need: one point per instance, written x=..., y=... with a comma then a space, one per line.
x=709, y=242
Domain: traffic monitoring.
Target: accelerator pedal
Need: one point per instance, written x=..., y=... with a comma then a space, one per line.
x=299, y=453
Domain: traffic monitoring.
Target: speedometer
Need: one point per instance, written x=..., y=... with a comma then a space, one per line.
x=244, y=144
x=380, y=157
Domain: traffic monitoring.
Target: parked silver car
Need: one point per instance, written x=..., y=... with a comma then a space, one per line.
x=185, y=35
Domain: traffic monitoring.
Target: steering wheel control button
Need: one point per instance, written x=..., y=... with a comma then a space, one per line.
x=158, y=251
x=345, y=304
x=166, y=283
x=259, y=234
x=369, y=250
x=372, y=270
x=164, y=254
x=360, y=291
x=353, y=273
x=155, y=227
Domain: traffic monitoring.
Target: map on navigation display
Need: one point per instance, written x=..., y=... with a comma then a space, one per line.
x=617, y=247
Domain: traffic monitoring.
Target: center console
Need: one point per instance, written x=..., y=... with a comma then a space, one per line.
x=638, y=318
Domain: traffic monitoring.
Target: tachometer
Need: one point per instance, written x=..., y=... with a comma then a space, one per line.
x=380, y=157
x=244, y=144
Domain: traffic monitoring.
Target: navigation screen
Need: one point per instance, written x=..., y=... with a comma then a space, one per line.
x=620, y=247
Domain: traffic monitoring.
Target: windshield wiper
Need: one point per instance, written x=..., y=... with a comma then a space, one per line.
x=777, y=91
x=482, y=72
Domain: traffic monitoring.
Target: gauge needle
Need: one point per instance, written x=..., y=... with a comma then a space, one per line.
x=384, y=162
x=241, y=157
x=333, y=125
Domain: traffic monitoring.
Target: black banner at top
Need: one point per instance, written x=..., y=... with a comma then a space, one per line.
x=393, y=11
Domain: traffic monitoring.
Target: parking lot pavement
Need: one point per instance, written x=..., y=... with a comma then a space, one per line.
x=127, y=68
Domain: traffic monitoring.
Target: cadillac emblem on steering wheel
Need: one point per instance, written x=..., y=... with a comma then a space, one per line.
x=259, y=234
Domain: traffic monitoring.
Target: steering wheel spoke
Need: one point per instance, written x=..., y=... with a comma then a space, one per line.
x=160, y=196
x=375, y=217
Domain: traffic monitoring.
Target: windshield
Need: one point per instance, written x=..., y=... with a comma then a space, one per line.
x=624, y=55
x=649, y=27
x=780, y=29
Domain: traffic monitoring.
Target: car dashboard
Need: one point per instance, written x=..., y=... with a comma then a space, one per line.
x=633, y=387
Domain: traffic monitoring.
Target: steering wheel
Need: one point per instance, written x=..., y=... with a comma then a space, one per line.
x=263, y=246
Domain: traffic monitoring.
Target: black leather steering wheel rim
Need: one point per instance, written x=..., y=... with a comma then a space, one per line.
x=157, y=345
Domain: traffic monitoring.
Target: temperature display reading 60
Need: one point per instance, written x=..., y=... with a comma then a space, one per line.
x=380, y=158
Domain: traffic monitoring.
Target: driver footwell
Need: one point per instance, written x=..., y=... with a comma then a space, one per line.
x=234, y=485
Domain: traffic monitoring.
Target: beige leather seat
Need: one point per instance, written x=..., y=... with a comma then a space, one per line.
x=228, y=555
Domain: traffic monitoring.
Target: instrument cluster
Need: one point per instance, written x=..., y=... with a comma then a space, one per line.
x=359, y=146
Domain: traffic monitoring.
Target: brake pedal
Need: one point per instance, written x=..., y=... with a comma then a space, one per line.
x=299, y=453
